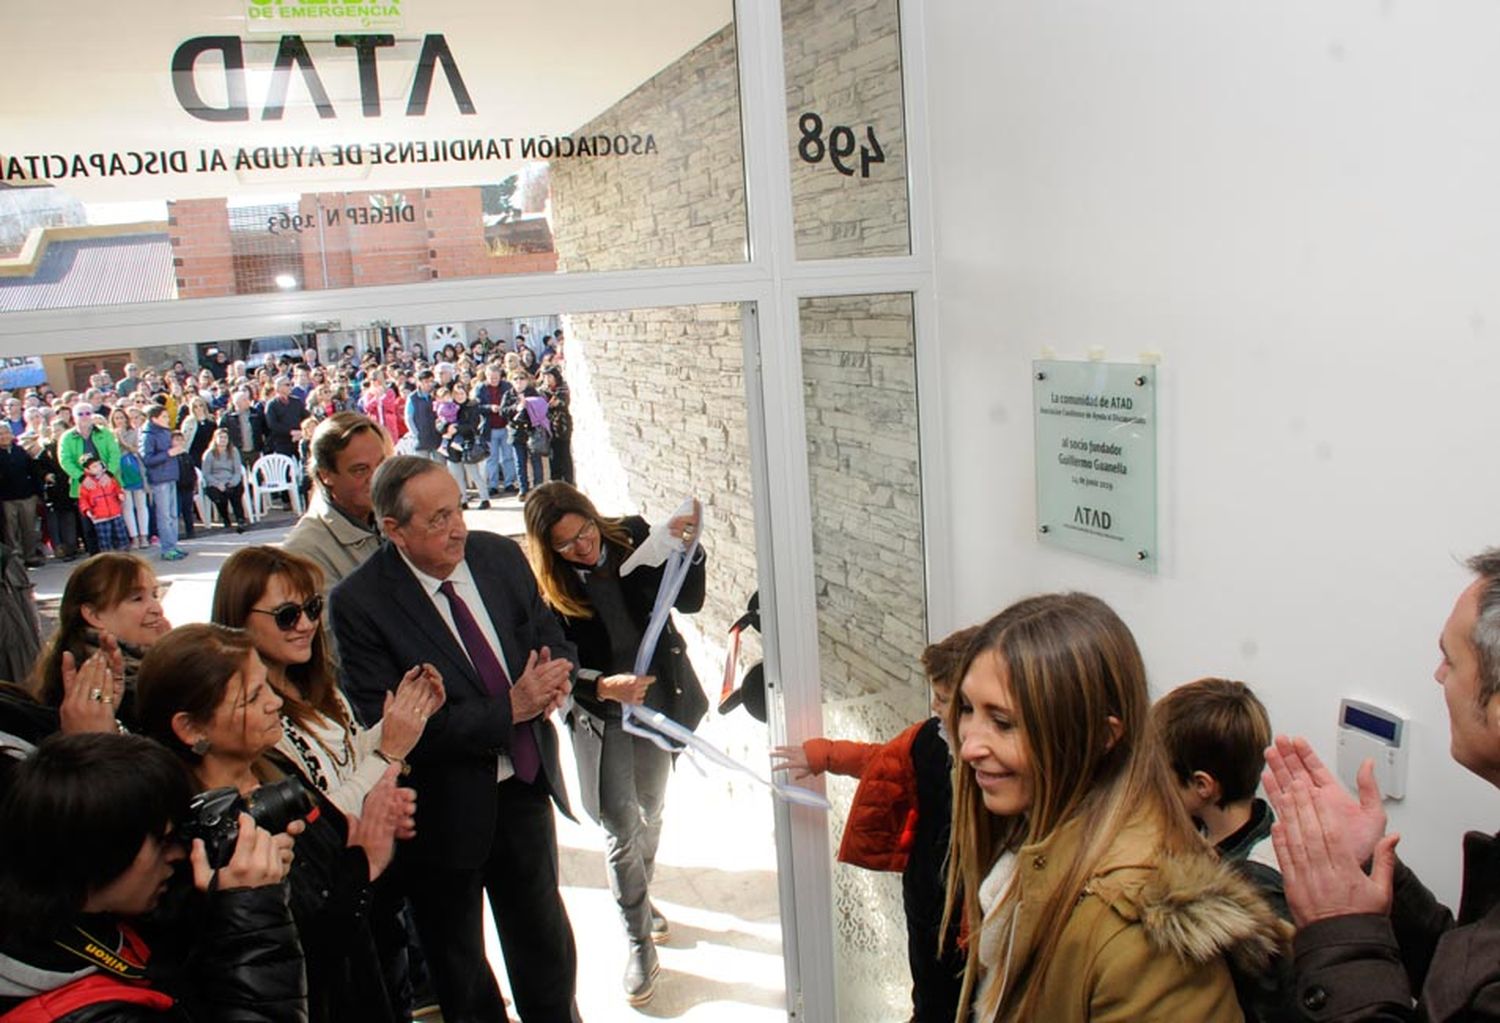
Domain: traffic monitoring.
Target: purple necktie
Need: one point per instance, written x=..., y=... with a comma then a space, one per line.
x=523, y=752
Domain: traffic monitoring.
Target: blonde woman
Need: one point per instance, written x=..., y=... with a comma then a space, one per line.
x=198, y=428
x=1089, y=894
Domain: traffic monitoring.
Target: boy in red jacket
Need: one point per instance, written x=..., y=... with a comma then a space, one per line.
x=899, y=821
x=100, y=500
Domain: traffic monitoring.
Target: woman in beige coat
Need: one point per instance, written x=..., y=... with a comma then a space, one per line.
x=1094, y=898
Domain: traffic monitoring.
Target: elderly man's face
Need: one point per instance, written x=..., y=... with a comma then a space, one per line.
x=7, y=438
x=434, y=537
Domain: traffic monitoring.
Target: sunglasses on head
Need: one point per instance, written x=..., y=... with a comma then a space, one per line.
x=286, y=615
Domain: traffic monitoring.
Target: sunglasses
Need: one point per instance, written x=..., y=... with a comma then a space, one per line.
x=286, y=615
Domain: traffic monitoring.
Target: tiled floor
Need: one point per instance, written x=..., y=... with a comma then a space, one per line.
x=716, y=869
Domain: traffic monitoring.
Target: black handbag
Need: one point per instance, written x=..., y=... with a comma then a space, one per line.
x=476, y=451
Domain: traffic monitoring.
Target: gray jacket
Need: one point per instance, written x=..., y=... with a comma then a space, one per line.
x=222, y=471
x=326, y=535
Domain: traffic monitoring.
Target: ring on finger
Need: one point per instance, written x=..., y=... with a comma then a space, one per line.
x=97, y=695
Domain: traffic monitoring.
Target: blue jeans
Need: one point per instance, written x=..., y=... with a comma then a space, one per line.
x=501, y=468
x=164, y=496
x=523, y=459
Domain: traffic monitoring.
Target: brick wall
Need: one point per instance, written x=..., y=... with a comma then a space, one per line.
x=445, y=239
x=659, y=394
x=859, y=397
x=204, y=260
x=659, y=413
x=683, y=206
x=843, y=62
x=859, y=393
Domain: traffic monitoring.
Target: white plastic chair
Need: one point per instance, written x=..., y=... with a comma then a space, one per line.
x=276, y=474
x=250, y=499
x=200, y=498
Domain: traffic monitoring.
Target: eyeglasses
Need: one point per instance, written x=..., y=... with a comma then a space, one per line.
x=286, y=615
x=590, y=528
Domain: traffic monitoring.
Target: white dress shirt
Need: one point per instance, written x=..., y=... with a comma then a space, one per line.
x=463, y=584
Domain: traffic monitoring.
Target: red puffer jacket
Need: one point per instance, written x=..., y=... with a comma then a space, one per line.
x=883, y=817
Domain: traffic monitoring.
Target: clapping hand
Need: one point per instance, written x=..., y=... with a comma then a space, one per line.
x=387, y=811
x=1319, y=866
x=417, y=697
x=92, y=691
x=1361, y=821
x=542, y=688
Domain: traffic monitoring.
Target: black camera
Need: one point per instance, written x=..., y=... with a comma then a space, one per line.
x=214, y=815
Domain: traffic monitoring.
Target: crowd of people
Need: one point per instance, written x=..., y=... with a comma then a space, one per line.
x=119, y=465
x=298, y=809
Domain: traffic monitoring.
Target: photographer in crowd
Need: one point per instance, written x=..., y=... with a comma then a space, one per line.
x=88, y=852
x=204, y=693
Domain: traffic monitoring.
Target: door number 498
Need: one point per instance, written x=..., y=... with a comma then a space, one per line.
x=839, y=146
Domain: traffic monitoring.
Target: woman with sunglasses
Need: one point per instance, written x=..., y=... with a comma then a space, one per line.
x=576, y=554
x=276, y=597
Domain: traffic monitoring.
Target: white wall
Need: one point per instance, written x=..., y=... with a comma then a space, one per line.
x=1299, y=206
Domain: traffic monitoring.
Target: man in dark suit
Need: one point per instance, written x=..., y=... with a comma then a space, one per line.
x=284, y=414
x=486, y=771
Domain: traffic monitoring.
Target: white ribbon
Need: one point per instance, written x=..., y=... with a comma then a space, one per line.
x=670, y=736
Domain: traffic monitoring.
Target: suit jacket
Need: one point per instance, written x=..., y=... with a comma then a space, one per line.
x=384, y=624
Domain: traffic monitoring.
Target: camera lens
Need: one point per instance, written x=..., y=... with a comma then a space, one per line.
x=276, y=805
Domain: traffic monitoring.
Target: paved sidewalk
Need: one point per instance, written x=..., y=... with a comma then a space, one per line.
x=716, y=868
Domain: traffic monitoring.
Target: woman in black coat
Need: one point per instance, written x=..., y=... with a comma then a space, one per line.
x=622, y=778
x=203, y=692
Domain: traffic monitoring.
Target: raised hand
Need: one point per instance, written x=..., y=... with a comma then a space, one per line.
x=407, y=709
x=792, y=758
x=1322, y=874
x=109, y=646
x=685, y=527
x=1361, y=821
x=89, y=695
x=406, y=813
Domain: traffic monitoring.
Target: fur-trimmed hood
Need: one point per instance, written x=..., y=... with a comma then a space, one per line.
x=1153, y=937
x=1197, y=908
